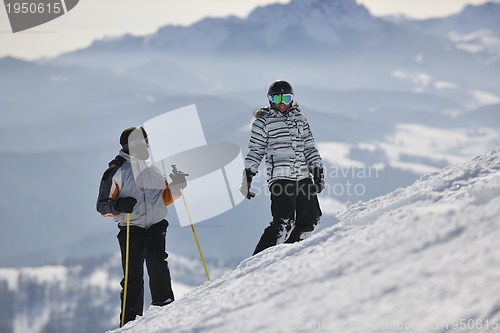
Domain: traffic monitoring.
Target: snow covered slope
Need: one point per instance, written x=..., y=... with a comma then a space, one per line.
x=417, y=259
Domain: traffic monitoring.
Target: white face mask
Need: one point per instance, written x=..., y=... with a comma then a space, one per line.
x=138, y=145
x=141, y=152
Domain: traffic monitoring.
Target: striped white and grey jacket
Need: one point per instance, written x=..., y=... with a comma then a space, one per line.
x=287, y=143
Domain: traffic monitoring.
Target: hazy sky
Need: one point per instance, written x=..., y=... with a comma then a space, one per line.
x=92, y=19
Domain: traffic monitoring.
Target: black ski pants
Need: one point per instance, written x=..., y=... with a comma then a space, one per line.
x=295, y=210
x=149, y=245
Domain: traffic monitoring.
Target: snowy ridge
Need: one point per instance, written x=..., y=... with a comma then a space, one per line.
x=320, y=19
x=420, y=259
x=302, y=24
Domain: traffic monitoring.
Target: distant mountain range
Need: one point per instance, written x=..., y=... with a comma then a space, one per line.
x=301, y=26
x=475, y=30
x=338, y=44
x=471, y=19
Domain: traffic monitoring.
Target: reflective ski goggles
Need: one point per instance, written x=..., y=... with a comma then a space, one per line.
x=282, y=98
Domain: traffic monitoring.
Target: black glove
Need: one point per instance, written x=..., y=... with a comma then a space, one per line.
x=178, y=181
x=318, y=179
x=246, y=183
x=125, y=205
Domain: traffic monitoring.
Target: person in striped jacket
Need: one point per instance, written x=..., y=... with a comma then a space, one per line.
x=281, y=134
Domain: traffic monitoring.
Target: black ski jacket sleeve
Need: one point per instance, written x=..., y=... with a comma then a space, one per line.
x=106, y=200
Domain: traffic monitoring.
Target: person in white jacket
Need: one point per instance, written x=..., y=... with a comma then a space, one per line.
x=282, y=135
x=132, y=185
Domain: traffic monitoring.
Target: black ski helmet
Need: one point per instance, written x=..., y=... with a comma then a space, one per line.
x=280, y=87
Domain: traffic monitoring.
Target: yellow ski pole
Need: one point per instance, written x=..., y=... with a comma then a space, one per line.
x=125, y=287
x=194, y=233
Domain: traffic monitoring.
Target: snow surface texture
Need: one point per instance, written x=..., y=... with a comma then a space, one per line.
x=415, y=260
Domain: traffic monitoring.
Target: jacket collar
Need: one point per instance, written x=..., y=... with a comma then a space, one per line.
x=267, y=110
x=293, y=110
x=132, y=159
x=124, y=155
